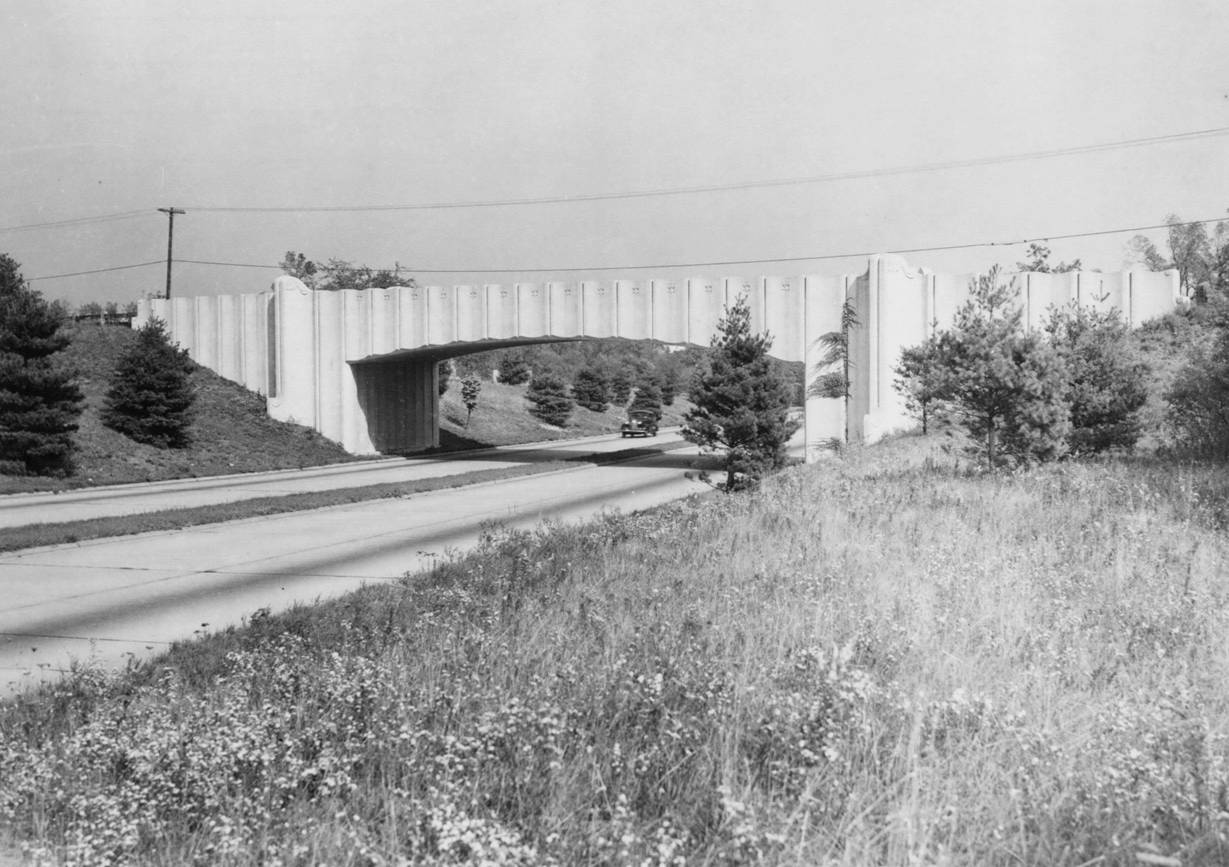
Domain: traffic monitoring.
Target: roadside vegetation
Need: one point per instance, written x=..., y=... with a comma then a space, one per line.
x=888, y=659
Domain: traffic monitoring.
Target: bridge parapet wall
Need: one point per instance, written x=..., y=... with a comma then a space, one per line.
x=360, y=365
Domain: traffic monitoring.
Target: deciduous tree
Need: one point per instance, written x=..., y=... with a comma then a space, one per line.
x=1199, y=400
x=1039, y=260
x=471, y=387
x=920, y=378
x=1106, y=382
x=1141, y=251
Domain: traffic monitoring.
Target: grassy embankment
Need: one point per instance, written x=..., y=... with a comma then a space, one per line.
x=232, y=433
x=887, y=660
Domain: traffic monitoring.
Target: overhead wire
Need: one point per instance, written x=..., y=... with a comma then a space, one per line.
x=924, y=167
x=77, y=221
x=97, y=270
x=745, y=185
x=774, y=259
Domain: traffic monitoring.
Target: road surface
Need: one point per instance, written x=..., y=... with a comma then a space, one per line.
x=44, y=508
x=106, y=599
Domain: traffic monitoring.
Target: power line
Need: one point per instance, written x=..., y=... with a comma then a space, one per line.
x=410, y=269
x=76, y=221
x=665, y=191
x=247, y=264
x=715, y=188
x=95, y=271
x=818, y=258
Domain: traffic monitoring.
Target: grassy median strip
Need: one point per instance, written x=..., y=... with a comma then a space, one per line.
x=38, y=535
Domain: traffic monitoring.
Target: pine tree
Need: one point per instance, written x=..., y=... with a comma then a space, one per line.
x=150, y=399
x=39, y=402
x=836, y=383
x=741, y=403
x=648, y=397
x=513, y=370
x=620, y=387
x=1005, y=387
x=548, y=400
x=590, y=390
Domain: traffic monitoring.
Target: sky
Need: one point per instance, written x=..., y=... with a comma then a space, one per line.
x=125, y=106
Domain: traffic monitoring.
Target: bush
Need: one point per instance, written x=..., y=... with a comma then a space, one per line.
x=39, y=402
x=150, y=399
x=1106, y=383
x=590, y=389
x=548, y=400
x=1075, y=388
x=1199, y=401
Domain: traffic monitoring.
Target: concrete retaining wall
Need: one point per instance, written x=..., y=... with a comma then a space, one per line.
x=360, y=366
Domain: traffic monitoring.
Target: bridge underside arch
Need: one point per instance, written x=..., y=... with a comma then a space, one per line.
x=398, y=394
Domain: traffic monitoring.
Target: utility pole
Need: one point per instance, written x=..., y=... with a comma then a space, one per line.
x=170, y=243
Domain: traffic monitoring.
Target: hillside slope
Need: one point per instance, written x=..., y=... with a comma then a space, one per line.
x=231, y=432
x=502, y=418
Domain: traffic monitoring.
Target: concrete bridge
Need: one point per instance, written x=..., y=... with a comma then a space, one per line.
x=359, y=366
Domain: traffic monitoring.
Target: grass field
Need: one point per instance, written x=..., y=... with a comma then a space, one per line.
x=885, y=660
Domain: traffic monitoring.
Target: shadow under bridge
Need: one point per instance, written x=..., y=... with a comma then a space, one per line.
x=398, y=393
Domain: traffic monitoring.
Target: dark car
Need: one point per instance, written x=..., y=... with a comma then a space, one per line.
x=640, y=423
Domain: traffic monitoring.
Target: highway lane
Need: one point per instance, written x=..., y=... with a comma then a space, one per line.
x=21, y=509
x=108, y=598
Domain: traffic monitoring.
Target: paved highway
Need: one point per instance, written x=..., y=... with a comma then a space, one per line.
x=109, y=598
x=44, y=508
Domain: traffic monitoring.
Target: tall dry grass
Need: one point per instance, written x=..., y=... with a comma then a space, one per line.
x=881, y=661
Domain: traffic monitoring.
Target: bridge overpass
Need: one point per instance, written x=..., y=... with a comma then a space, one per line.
x=359, y=366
